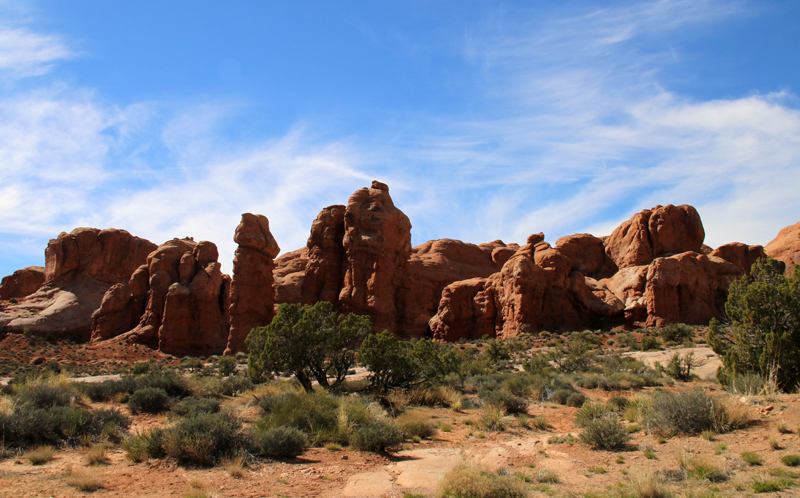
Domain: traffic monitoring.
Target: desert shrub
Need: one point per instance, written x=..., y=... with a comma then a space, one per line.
x=492, y=418
x=524, y=384
x=278, y=442
x=589, y=412
x=649, y=343
x=149, y=400
x=509, y=402
x=617, y=403
x=377, y=436
x=44, y=396
x=141, y=368
x=27, y=426
x=172, y=384
x=235, y=384
x=680, y=367
x=749, y=384
x=604, y=433
x=193, y=405
x=705, y=471
x=560, y=396
x=144, y=445
x=576, y=400
x=675, y=332
x=539, y=423
x=416, y=423
x=96, y=455
x=204, y=438
x=468, y=480
x=316, y=414
x=689, y=412
x=751, y=458
x=82, y=480
x=226, y=366
x=791, y=460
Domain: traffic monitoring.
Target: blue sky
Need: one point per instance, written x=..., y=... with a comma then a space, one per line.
x=487, y=119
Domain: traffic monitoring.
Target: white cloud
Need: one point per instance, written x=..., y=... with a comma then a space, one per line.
x=23, y=53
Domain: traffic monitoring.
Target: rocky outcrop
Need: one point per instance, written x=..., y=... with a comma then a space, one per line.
x=786, y=247
x=252, y=296
x=325, y=255
x=22, y=283
x=433, y=266
x=185, y=297
x=740, y=255
x=377, y=244
x=586, y=254
x=653, y=232
x=289, y=274
x=80, y=267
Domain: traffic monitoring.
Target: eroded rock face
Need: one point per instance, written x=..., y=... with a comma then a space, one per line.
x=786, y=247
x=289, y=274
x=740, y=255
x=22, y=283
x=652, y=232
x=325, y=255
x=80, y=267
x=185, y=298
x=586, y=254
x=433, y=266
x=377, y=244
x=252, y=296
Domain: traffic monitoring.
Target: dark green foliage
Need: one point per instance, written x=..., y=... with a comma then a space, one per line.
x=617, y=403
x=560, y=396
x=193, y=405
x=173, y=384
x=605, y=433
x=791, y=460
x=680, y=367
x=204, y=438
x=45, y=396
x=235, y=384
x=52, y=367
x=397, y=363
x=377, y=436
x=278, y=442
x=28, y=426
x=149, y=400
x=649, y=343
x=576, y=400
x=509, y=402
x=311, y=342
x=675, y=332
x=764, y=308
x=141, y=367
x=578, y=354
x=523, y=384
x=226, y=366
x=590, y=412
x=193, y=364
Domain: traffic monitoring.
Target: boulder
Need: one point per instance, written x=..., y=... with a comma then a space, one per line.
x=80, y=267
x=786, y=247
x=252, y=296
x=185, y=296
x=22, y=283
x=740, y=255
x=587, y=255
x=653, y=232
x=467, y=310
x=377, y=244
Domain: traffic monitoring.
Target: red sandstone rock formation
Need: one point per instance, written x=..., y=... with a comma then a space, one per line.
x=653, y=232
x=80, y=267
x=740, y=255
x=185, y=296
x=433, y=266
x=325, y=255
x=252, y=296
x=786, y=247
x=22, y=282
x=587, y=255
x=377, y=243
x=289, y=274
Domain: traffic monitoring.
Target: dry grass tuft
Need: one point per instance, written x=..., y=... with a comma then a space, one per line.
x=40, y=455
x=647, y=485
x=96, y=455
x=470, y=480
x=82, y=480
x=236, y=466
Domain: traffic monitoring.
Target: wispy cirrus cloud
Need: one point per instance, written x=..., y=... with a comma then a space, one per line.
x=25, y=53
